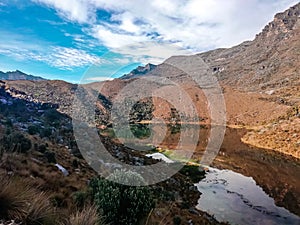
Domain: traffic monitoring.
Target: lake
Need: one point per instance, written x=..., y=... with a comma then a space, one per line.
x=244, y=184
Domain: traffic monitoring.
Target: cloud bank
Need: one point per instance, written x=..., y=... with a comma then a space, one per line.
x=175, y=25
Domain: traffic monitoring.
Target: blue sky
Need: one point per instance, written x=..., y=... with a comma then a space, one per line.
x=62, y=39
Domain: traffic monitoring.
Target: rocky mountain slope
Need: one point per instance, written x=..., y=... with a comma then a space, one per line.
x=271, y=60
x=18, y=75
x=37, y=147
x=260, y=80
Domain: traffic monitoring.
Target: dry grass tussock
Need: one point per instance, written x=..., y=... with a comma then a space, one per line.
x=88, y=216
x=19, y=201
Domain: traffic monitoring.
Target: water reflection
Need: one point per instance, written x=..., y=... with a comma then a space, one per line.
x=237, y=199
x=276, y=174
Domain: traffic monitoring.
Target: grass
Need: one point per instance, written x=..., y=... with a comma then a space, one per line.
x=88, y=216
x=13, y=199
x=40, y=211
x=19, y=201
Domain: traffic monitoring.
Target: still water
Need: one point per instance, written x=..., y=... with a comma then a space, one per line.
x=237, y=199
x=244, y=185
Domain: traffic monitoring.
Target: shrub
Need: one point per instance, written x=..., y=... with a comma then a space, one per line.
x=42, y=148
x=50, y=156
x=122, y=204
x=193, y=172
x=2, y=150
x=46, y=132
x=177, y=220
x=32, y=129
x=52, y=116
x=15, y=142
x=140, y=130
x=81, y=198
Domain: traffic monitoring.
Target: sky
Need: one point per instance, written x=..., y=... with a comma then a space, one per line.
x=103, y=39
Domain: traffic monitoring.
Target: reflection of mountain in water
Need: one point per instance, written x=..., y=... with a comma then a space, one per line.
x=277, y=174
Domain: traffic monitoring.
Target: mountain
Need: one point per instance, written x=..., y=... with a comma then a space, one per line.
x=18, y=75
x=260, y=80
x=271, y=60
x=139, y=71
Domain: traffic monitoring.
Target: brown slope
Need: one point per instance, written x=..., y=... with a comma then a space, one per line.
x=260, y=79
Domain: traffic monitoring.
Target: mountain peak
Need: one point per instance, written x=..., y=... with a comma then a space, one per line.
x=282, y=24
x=140, y=70
x=18, y=75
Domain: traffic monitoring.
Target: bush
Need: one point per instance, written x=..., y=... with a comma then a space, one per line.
x=81, y=198
x=52, y=116
x=15, y=142
x=46, y=132
x=50, y=156
x=193, y=172
x=122, y=204
x=33, y=130
x=42, y=148
x=177, y=220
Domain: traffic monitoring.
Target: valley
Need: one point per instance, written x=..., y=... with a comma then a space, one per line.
x=47, y=147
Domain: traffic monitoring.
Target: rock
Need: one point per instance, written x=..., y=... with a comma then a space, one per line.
x=193, y=211
x=270, y=92
x=62, y=169
x=190, y=222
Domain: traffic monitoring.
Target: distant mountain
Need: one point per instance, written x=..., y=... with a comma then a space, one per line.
x=18, y=75
x=270, y=61
x=140, y=70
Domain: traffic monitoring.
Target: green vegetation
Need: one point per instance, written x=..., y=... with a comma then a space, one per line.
x=177, y=220
x=140, y=130
x=122, y=204
x=20, y=201
x=15, y=142
x=193, y=172
x=32, y=129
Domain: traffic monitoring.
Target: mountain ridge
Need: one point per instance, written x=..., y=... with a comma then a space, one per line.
x=139, y=71
x=18, y=75
x=260, y=82
x=261, y=64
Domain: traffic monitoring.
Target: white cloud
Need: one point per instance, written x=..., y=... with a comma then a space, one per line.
x=68, y=58
x=194, y=24
x=59, y=57
x=97, y=79
x=151, y=52
x=76, y=10
x=110, y=37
